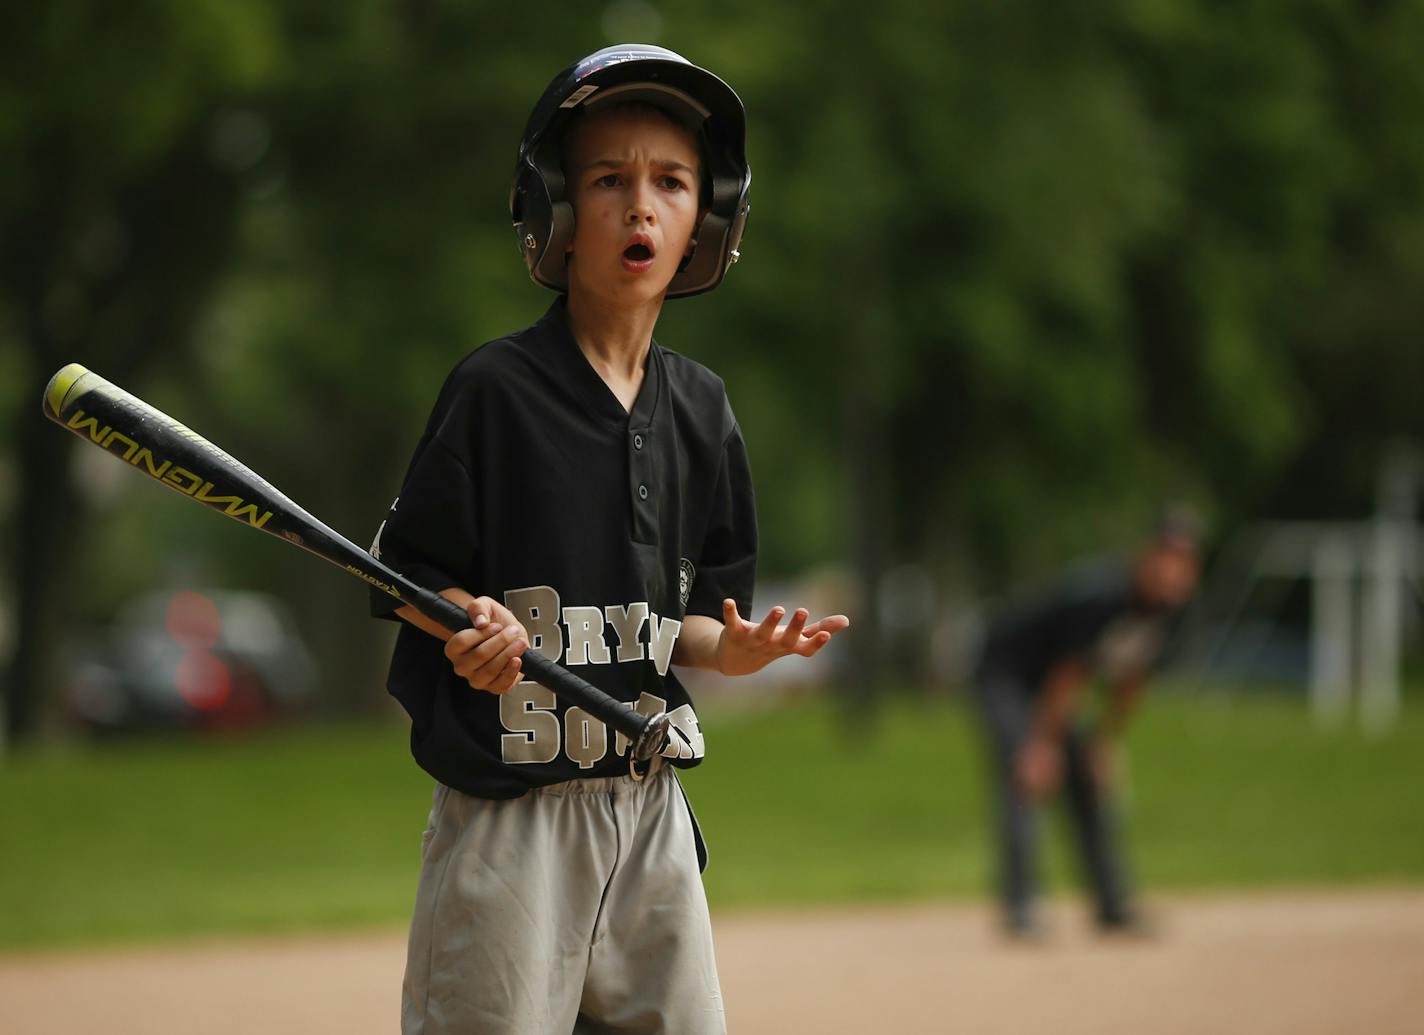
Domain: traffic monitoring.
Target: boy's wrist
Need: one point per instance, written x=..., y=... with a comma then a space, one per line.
x=700, y=644
x=718, y=648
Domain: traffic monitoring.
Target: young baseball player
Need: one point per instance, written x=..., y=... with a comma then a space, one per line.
x=583, y=492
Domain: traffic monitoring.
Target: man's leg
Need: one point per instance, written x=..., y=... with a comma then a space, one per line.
x=1093, y=816
x=1007, y=712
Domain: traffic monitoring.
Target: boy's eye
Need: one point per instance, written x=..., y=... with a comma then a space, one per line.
x=672, y=183
x=610, y=180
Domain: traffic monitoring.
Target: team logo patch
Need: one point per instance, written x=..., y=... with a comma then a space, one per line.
x=685, y=574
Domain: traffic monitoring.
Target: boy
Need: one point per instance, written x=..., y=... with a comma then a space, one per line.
x=583, y=492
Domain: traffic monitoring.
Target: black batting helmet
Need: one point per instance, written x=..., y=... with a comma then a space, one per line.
x=538, y=200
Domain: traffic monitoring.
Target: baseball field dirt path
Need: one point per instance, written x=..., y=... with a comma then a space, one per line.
x=1299, y=963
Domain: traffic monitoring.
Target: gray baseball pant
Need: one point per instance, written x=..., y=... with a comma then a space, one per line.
x=578, y=907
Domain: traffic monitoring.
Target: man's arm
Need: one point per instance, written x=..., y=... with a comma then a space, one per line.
x=1123, y=697
x=1103, y=756
x=1062, y=694
x=1039, y=764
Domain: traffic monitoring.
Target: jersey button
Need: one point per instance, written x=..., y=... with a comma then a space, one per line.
x=642, y=492
x=637, y=441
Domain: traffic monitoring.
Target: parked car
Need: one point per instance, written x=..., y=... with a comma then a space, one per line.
x=191, y=659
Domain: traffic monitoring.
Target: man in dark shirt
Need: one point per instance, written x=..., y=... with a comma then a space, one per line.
x=1103, y=623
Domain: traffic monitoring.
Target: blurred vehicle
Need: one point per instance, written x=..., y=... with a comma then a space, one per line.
x=185, y=659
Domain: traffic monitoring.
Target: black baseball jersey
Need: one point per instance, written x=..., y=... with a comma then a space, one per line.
x=600, y=529
x=1093, y=617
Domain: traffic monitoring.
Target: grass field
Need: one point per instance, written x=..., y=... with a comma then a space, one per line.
x=319, y=827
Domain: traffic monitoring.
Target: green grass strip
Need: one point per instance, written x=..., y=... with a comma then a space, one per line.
x=318, y=828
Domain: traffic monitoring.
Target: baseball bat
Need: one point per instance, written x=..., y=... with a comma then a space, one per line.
x=150, y=441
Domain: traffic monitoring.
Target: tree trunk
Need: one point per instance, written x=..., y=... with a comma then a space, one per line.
x=45, y=548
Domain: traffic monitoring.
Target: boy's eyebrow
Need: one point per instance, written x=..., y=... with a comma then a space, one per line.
x=662, y=163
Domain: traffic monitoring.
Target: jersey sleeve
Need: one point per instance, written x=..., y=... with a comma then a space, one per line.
x=430, y=534
x=1085, y=610
x=727, y=564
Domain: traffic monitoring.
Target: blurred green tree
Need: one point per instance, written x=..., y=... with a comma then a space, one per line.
x=118, y=213
x=1014, y=271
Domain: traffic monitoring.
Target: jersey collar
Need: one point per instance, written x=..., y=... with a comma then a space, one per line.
x=573, y=369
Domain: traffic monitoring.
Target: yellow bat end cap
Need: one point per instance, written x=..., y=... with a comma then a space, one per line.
x=60, y=384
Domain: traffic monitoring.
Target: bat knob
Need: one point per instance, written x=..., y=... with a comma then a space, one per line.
x=652, y=740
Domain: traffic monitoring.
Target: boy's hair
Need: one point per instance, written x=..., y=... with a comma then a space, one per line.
x=633, y=74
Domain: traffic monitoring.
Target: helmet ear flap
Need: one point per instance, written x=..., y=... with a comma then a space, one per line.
x=543, y=228
x=718, y=238
x=551, y=266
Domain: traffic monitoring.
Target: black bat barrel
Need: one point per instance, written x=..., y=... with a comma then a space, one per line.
x=155, y=444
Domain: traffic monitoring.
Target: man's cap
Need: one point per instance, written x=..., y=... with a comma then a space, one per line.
x=1179, y=524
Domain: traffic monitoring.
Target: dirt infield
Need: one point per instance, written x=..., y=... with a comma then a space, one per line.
x=1301, y=963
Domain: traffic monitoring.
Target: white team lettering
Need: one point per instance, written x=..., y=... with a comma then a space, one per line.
x=627, y=623
x=537, y=608
x=662, y=635
x=586, y=644
x=528, y=710
x=691, y=743
x=585, y=738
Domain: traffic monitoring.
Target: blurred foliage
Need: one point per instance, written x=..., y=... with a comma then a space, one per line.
x=1015, y=270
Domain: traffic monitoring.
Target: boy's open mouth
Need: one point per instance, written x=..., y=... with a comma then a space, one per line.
x=638, y=252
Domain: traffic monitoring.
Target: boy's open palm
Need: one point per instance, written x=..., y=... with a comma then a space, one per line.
x=745, y=647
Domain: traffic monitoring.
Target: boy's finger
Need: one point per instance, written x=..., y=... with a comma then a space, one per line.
x=467, y=640
x=830, y=624
x=508, y=678
x=480, y=611
x=795, y=627
x=808, y=647
x=763, y=632
x=491, y=670
x=492, y=646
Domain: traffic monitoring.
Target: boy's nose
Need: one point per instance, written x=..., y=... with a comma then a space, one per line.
x=639, y=211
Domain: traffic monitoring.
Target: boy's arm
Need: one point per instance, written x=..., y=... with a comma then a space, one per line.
x=738, y=647
x=487, y=655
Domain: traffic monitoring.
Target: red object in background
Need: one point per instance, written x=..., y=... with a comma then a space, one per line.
x=203, y=680
x=191, y=660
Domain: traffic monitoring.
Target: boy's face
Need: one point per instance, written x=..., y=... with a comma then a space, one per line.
x=634, y=183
